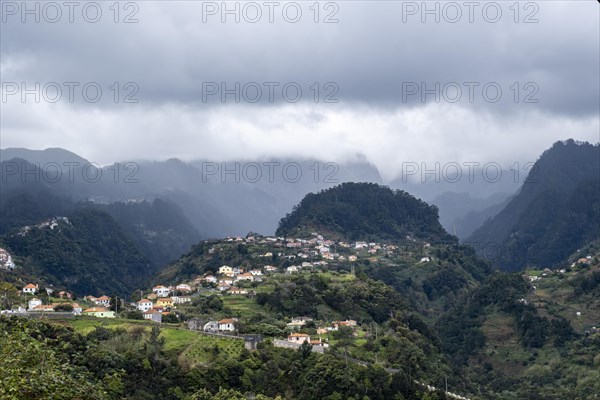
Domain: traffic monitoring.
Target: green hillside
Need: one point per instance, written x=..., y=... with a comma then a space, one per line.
x=86, y=252
x=555, y=212
x=363, y=211
x=533, y=335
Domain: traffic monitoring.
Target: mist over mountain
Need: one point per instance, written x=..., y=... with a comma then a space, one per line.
x=46, y=156
x=232, y=198
x=556, y=211
x=428, y=181
x=218, y=199
x=465, y=225
x=157, y=227
x=461, y=213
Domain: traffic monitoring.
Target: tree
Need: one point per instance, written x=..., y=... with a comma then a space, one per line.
x=305, y=349
x=134, y=314
x=8, y=295
x=65, y=307
x=155, y=343
x=33, y=370
x=115, y=303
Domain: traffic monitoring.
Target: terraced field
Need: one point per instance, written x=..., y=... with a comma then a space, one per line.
x=205, y=347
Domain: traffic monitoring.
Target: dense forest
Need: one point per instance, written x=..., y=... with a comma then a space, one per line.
x=363, y=211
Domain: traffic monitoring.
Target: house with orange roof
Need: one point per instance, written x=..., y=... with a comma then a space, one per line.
x=30, y=288
x=227, y=324
x=144, y=305
x=158, y=308
x=298, y=338
x=319, y=343
x=246, y=276
x=103, y=301
x=161, y=291
x=349, y=323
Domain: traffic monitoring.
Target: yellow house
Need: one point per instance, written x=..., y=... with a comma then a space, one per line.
x=99, y=312
x=226, y=270
x=165, y=302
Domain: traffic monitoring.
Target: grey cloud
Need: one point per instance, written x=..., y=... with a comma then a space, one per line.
x=368, y=54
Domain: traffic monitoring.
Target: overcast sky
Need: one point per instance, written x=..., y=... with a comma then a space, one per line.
x=370, y=63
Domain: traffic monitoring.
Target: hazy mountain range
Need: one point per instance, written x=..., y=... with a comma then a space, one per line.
x=221, y=199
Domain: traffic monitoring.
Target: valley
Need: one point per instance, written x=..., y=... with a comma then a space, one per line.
x=360, y=293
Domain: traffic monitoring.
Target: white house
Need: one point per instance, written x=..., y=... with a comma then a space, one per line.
x=153, y=315
x=30, y=288
x=227, y=324
x=211, y=326
x=33, y=303
x=161, y=291
x=77, y=309
x=103, y=301
x=256, y=272
x=144, y=305
x=210, y=279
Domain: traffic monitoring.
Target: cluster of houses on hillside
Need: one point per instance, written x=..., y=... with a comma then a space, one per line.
x=51, y=223
x=295, y=339
x=303, y=254
x=320, y=248
x=228, y=326
x=546, y=272
x=35, y=305
x=583, y=261
x=161, y=301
